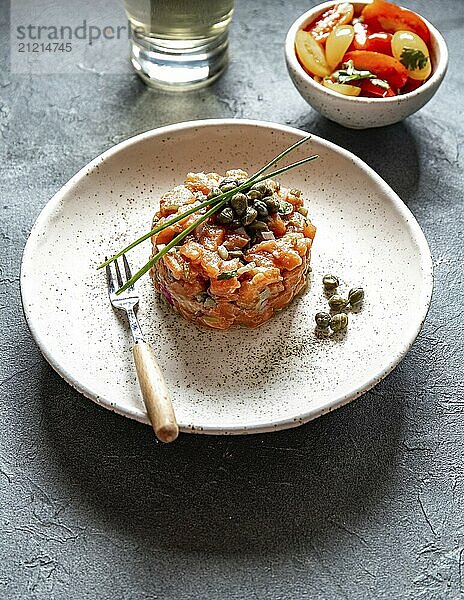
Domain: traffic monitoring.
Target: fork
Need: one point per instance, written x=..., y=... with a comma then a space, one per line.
x=152, y=385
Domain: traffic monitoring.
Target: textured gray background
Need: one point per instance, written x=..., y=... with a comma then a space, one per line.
x=367, y=502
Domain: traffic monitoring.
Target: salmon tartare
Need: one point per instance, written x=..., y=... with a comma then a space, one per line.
x=243, y=263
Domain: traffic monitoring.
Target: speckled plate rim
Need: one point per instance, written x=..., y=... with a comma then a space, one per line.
x=253, y=427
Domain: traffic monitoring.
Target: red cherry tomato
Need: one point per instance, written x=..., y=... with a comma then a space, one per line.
x=373, y=42
x=360, y=36
x=384, y=16
x=371, y=90
x=379, y=42
x=385, y=67
x=411, y=85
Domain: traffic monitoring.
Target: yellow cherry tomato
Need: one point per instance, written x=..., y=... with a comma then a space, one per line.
x=341, y=88
x=311, y=54
x=412, y=51
x=337, y=44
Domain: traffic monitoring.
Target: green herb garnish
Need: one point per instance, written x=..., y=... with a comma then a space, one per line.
x=413, y=59
x=213, y=205
x=349, y=73
x=228, y=275
x=285, y=208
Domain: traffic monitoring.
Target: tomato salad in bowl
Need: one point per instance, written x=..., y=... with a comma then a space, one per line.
x=378, y=52
x=366, y=63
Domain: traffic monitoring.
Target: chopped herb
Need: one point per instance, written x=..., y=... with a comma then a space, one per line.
x=413, y=59
x=349, y=73
x=228, y=275
x=285, y=208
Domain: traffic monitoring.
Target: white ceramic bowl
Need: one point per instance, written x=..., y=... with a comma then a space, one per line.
x=356, y=112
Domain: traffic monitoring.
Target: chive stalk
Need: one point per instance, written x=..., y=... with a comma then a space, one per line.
x=215, y=204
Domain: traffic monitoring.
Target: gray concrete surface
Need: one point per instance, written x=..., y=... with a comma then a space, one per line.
x=367, y=502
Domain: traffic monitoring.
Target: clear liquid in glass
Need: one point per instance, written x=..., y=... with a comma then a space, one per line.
x=179, y=44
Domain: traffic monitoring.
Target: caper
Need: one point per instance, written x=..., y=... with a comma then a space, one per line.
x=258, y=226
x=213, y=193
x=227, y=187
x=337, y=303
x=209, y=303
x=356, y=296
x=250, y=215
x=235, y=224
x=322, y=320
x=254, y=195
x=239, y=204
x=261, y=208
x=303, y=211
x=263, y=188
x=272, y=204
x=339, y=322
x=226, y=216
x=295, y=192
x=330, y=282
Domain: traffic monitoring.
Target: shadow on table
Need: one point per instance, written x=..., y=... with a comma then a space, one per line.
x=391, y=151
x=145, y=108
x=272, y=493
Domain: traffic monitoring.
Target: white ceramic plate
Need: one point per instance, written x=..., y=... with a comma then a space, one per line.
x=241, y=381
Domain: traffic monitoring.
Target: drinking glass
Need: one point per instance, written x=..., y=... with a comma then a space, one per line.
x=179, y=44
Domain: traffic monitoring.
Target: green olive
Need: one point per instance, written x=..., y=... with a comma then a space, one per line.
x=322, y=320
x=356, y=296
x=339, y=322
x=330, y=282
x=239, y=204
x=295, y=192
x=337, y=303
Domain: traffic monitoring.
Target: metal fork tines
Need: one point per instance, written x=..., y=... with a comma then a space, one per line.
x=127, y=300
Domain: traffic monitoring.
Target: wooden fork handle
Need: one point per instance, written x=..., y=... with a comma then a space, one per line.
x=155, y=393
